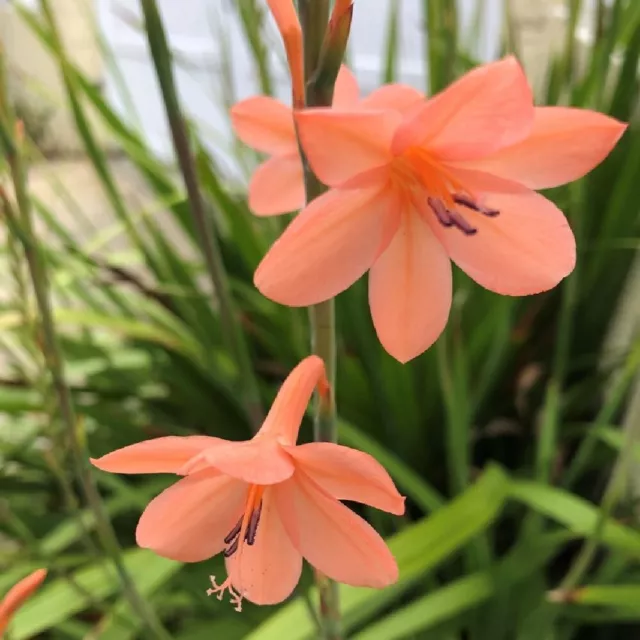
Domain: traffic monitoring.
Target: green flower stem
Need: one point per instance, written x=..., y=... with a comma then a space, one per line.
x=314, y=17
x=162, y=61
x=20, y=223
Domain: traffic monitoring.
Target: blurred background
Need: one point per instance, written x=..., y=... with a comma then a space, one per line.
x=515, y=438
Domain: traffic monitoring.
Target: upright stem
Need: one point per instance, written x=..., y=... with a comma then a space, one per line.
x=21, y=225
x=323, y=336
x=209, y=242
x=314, y=16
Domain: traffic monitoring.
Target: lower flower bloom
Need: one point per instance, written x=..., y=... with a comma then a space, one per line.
x=266, y=503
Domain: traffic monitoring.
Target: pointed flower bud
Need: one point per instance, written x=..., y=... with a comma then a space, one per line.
x=288, y=23
x=333, y=47
x=17, y=596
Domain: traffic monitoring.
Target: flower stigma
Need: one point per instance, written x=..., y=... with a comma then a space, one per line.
x=235, y=597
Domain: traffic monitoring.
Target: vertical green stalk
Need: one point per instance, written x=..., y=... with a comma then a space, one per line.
x=209, y=242
x=314, y=16
x=320, y=81
x=20, y=223
x=552, y=409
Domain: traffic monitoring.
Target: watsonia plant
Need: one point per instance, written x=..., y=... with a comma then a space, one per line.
x=513, y=389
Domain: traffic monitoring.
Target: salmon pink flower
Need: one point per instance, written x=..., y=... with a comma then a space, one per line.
x=450, y=179
x=17, y=595
x=266, y=503
x=267, y=125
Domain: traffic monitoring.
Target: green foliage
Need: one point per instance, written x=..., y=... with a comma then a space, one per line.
x=502, y=436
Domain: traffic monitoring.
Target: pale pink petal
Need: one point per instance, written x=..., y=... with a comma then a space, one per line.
x=189, y=520
x=348, y=474
x=331, y=537
x=327, y=247
x=277, y=186
x=346, y=92
x=410, y=290
x=528, y=248
x=160, y=455
x=265, y=124
x=17, y=595
x=485, y=110
x=564, y=145
x=267, y=571
x=340, y=144
x=259, y=461
x=288, y=409
x=398, y=97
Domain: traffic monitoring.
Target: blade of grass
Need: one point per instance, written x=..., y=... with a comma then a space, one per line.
x=210, y=247
x=21, y=224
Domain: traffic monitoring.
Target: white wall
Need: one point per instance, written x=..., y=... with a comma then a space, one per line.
x=34, y=76
x=201, y=31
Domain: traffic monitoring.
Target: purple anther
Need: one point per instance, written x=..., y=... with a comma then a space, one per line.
x=234, y=533
x=232, y=548
x=450, y=217
x=442, y=213
x=252, y=528
x=465, y=201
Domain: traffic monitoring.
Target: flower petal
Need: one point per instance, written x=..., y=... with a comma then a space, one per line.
x=398, y=97
x=485, y=110
x=410, y=289
x=18, y=594
x=564, y=145
x=277, y=186
x=346, y=93
x=328, y=246
x=340, y=144
x=331, y=537
x=269, y=570
x=265, y=124
x=189, y=520
x=160, y=455
x=259, y=461
x=288, y=409
x=526, y=249
x=348, y=474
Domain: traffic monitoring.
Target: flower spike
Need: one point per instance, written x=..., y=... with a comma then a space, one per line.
x=17, y=596
x=288, y=23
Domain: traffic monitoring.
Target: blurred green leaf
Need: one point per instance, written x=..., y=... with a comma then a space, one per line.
x=418, y=549
x=574, y=513
x=60, y=599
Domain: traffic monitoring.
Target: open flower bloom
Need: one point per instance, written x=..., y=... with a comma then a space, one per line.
x=267, y=125
x=266, y=503
x=449, y=179
x=17, y=595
